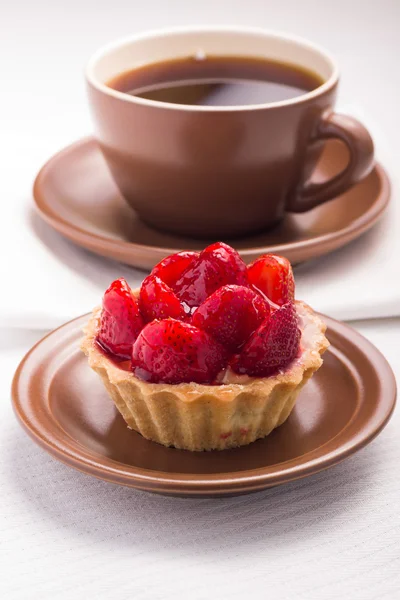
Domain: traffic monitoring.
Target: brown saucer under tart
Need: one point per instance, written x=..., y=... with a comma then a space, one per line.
x=64, y=407
x=75, y=193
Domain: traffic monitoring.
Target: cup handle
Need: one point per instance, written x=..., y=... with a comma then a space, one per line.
x=361, y=147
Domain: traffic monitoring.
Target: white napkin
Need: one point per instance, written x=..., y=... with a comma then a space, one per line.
x=50, y=280
x=361, y=280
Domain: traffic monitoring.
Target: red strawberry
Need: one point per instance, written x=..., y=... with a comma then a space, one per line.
x=217, y=265
x=120, y=321
x=158, y=301
x=231, y=315
x=169, y=351
x=171, y=268
x=272, y=275
x=272, y=347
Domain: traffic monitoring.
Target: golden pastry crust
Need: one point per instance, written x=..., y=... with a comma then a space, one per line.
x=193, y=416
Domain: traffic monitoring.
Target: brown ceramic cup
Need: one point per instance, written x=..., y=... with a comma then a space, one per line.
x=208, y=171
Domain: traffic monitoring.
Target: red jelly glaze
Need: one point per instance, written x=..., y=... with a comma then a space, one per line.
x=231, y=314
x=272, y=346
x=120, y=319
x=121, y=363
x=272, y=276
x=173, y=352
x=217, y=265
x=158, y=301
x=204, y=312
x=171, y=268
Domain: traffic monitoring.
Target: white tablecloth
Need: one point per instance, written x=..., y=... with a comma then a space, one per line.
x=65, y=535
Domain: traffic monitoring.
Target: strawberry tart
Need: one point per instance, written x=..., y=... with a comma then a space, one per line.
x=208, y=354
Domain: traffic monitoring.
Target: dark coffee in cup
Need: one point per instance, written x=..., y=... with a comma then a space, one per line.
x=217, y=81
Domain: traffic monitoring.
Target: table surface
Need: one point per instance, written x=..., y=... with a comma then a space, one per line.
x=65, y=535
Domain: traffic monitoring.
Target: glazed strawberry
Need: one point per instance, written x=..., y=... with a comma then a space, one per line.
x=158, y=301
x=120, y=321
x=272, y=275
x=169, y=351
x=217, y=265
x=272, y=346
x=231, y=315
x=171, y=268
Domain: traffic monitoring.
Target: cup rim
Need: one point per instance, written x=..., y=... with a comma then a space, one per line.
x=170, y=31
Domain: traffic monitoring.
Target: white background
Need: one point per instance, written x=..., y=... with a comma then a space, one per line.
x=65, y=535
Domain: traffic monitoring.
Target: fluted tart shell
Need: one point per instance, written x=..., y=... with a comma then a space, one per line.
x=195, y=417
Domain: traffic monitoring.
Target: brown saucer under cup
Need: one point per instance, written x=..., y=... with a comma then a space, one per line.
x=75, y=193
